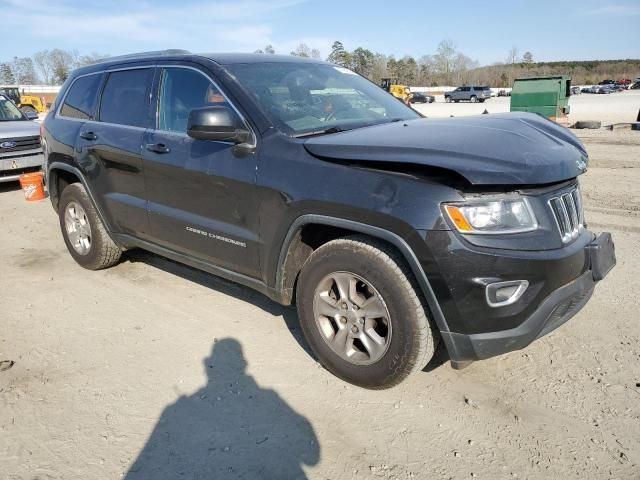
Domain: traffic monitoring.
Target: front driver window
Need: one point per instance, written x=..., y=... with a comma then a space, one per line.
x=182, y=90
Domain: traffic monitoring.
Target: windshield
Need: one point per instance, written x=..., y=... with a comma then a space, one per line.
x=309, y=98
x=9, y=112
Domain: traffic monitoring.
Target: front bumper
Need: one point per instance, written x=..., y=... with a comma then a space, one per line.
x=561, y=284
x=12, y=167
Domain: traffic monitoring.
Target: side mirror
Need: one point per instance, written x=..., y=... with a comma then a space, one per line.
x=217, y=123
x=31, y=115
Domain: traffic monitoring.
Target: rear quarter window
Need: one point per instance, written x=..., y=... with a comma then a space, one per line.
x=82, y=99
x=125, y=99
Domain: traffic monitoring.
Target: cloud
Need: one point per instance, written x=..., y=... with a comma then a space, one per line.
x=118, y=26
x=614, y=11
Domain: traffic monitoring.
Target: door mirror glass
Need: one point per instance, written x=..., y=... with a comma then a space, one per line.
x=217, y=123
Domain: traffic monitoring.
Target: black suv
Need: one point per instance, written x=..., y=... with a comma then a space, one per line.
x=310, y=184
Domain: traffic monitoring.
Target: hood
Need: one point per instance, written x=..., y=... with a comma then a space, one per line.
x=496, y=149
x=18, y=129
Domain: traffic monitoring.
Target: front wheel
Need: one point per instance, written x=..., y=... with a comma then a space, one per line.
x=474, y=99
x=362, y=313
x=447, y=99
x=84, y=234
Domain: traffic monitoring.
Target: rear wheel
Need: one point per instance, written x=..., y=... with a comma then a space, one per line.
x=362, y=314
x=84, y=234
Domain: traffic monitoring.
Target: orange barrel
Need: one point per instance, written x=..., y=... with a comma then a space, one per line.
x=33, y=186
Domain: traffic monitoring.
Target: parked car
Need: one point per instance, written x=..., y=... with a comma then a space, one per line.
x=308, y=183
x=418, y=97
x=504, y=93
x=607, y=82
x=624, y=81
x=634, y=86
x=575, y=91
x=20, y=149
x=588, y=90
x=604, y=89
x=472, y=94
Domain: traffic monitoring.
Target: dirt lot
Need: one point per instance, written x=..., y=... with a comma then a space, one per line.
x=116, y=369
x=612, y=108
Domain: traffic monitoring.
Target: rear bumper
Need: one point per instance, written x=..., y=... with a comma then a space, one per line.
x=543, y=315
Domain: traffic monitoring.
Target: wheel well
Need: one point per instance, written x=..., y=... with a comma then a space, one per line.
x=59, y=179
x=303, y=243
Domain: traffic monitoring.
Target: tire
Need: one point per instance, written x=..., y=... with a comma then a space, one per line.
x=84, y=234
x=482, y=100
x=376, y=271
x=589, y=124
x=473, y=99
x=28, y=109
x=447, y=99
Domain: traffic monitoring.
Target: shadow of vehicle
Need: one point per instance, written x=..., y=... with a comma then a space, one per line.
x=9, y=186
x=230, y=428
x=235, y=290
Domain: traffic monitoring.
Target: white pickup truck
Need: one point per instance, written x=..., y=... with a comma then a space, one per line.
x=20, y=148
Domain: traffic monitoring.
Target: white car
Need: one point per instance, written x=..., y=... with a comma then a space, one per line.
x=20, y=148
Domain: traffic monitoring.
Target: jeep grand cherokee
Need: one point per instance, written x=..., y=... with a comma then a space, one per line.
x=310, y=184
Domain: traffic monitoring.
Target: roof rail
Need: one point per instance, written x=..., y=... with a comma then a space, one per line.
x=155, y=53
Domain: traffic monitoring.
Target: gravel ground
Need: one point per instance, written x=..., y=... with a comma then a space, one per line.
x=613, y=108
x=117, y=369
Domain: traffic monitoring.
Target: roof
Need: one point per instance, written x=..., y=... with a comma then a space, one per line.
x=233, y=58
x=176, y=54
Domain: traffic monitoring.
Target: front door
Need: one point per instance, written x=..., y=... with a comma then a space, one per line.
x=201, y=194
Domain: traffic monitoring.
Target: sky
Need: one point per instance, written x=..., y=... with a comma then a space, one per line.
x=484, y=31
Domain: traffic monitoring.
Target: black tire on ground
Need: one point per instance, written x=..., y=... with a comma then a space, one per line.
x=482, y=100
x=473, y=99
x=591, y=124
x=412, y=340
x=28, y=109
x=103, y=252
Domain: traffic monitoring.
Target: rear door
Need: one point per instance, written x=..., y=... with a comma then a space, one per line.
x=111, y=148
x=201, y=194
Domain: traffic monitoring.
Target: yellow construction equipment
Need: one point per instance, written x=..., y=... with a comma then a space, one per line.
x=401, y=92
x=26, y=103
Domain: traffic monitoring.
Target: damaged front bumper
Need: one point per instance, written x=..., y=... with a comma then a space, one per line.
x=541, y=311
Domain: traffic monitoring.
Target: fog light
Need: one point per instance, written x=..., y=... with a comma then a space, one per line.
x=501, y=294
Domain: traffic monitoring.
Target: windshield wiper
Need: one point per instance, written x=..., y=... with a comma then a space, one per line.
x=325, y=131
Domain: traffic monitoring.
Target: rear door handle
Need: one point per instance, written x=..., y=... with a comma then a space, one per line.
x=158, y=148
x=88, y=136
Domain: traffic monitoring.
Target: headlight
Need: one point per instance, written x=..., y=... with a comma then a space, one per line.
x=492, y=217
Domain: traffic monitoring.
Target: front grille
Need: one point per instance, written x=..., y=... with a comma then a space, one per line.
x=567, y=210
x=21, y=143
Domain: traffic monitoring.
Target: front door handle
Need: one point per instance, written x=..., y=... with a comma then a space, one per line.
x=88, y=136
x=158, y=148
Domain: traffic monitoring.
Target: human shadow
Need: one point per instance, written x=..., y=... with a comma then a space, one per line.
x=230, y=428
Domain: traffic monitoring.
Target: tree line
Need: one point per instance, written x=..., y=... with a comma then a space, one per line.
x=48, y=67
x=447, y=66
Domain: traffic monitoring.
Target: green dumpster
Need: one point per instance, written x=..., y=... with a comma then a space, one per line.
x=548, y=96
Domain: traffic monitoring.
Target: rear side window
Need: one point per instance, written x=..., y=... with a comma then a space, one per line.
x=125, y=99
x=82, y=99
